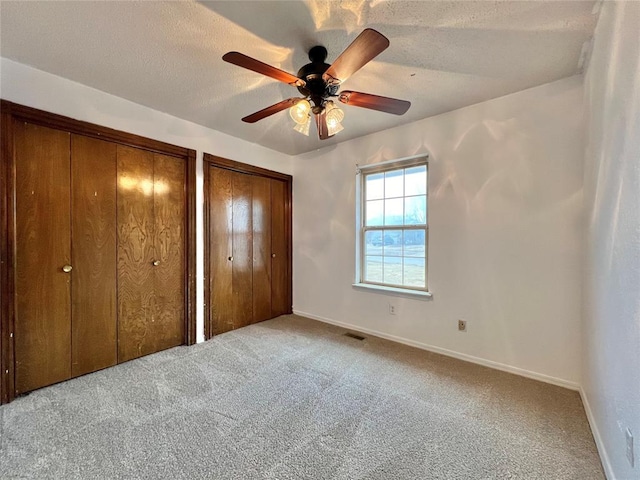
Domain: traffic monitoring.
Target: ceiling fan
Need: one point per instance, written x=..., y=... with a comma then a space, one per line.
x=319, y=82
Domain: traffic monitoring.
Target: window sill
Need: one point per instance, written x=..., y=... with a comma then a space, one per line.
x=404, y=292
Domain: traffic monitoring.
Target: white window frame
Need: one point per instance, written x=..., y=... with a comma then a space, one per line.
x=361, y=229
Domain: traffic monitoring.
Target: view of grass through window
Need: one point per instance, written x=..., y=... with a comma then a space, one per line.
x=395, y=224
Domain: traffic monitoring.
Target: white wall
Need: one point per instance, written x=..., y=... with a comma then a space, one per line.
x=35, y=88
x=611, y=360
x=505, y=204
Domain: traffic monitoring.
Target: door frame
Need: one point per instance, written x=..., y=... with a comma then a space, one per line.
x=235, y=166
x=9, y=112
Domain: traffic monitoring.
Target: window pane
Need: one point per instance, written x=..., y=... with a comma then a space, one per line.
x=373, y=242
x=392, y=270
x=393, y=211
x=414, y=272
x=373, y=269
x=374, y=213
x=374, y=186
x=392, y=243
x=415, y=180
x=414, y=243
x=394, y=184
x=415, y=210
x=394, y=227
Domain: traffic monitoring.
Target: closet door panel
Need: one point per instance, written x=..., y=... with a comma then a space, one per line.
x=261, y=212
x=93, y=290
x=43, y=225
x=169, y=240
x=242, y=250
x=220, y=249
x=280, y=253
x=135, y=253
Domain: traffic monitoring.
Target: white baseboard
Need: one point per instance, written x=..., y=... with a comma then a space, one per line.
x=604, y=457
x=449, y=353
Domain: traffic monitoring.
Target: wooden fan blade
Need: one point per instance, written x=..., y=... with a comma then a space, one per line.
x=275, y=108
x=375, y=102
x=362, y=50
x=257, y=66
x=321, y=123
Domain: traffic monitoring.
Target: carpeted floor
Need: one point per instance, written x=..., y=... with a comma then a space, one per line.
x=292, y=398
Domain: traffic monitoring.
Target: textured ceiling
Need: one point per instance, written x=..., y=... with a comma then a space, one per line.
x=167, y=55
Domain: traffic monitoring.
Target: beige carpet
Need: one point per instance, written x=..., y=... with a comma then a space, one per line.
x=292, y=398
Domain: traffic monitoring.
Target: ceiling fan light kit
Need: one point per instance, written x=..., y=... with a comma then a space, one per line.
x=319, y=82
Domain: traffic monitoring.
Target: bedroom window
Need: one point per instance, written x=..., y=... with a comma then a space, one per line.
x=393, y=225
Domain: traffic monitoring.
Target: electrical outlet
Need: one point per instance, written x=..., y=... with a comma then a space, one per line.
x=462, y=325
x=392, y=309
x=629, y=437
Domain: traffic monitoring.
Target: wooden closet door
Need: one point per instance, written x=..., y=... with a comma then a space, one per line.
x=43, y=226
x=261, y=220
x=280, y=252
x=169, y=247
x=242, y=219
x=93, y=289
x=247, y=218
x=220, y=281
x=136, y=224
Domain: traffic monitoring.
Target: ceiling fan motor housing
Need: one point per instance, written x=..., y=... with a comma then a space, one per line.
x=316, y=88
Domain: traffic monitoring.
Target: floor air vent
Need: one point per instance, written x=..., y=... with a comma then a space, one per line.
x=354, y=335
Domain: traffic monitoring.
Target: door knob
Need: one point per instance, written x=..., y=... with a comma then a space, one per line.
x=273, y=255
x=66, y=268
x=231, y=259
x=156, y=263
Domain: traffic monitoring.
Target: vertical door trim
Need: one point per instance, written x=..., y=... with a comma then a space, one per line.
x=205, y=236
x=190, y=249
x=7, y=257
x=12, y=111
x=214, y=161
x=288, y=215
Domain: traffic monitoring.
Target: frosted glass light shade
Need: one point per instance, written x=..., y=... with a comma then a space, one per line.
x=334, y=116
x=300, y=112
x=303, y=128
x=333, y=113
x=334, y=127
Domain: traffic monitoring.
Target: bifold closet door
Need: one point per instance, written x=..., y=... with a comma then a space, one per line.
x=135, y=253
x=65, y=221
x=242, y=254
x=43, y=254
x=261, y=206
x=247, y=247
x=169, y=251
x=93, y=236
x=231, y=257
x=280, y=253
x=151, y=215
x=98, y=235
x=220, y=282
